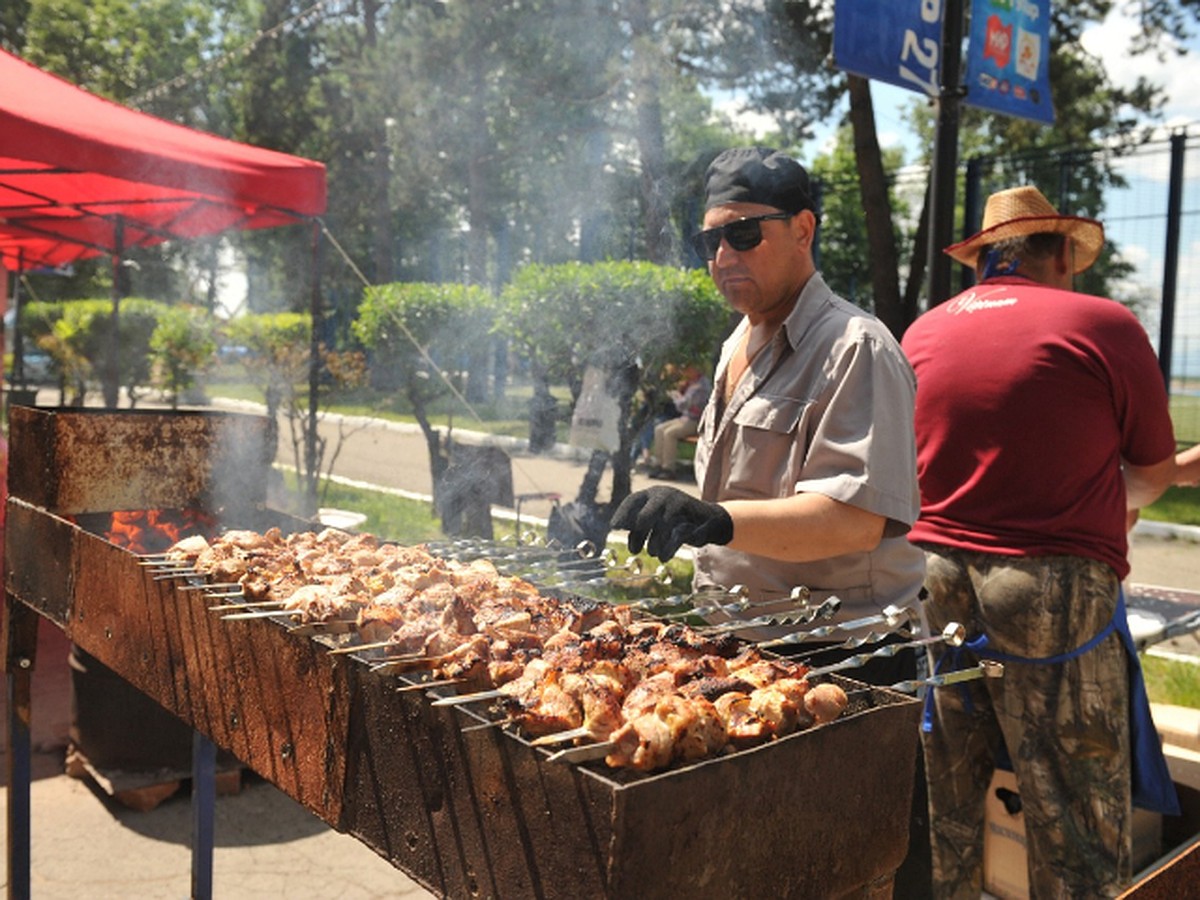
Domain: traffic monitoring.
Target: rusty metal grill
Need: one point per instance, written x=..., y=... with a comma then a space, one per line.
x=465, y=812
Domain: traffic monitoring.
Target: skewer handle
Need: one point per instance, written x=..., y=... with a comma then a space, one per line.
x=561, y=737
x=582, y=754
x=463, y=699
x=987, y=668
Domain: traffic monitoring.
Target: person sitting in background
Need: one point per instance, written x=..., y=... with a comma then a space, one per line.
x=689, y=401
x=654, y=409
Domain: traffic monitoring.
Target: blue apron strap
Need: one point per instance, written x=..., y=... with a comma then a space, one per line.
x=951, y=661
x=1153, y=788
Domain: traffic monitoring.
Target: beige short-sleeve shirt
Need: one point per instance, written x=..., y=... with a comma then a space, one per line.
x=826, y=407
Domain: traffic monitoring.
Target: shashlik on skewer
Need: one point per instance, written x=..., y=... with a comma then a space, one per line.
x=653, y=692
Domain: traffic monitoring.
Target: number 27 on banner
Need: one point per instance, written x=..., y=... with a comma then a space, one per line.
x=919, y=56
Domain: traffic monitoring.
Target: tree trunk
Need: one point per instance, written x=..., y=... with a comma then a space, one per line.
x=918, y=263
x=651, y=143
x=433, y=443
x=877, y=208
x=543, y=414
x=627, y=381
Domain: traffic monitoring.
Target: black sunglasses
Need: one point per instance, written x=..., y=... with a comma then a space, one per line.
x=742, y=235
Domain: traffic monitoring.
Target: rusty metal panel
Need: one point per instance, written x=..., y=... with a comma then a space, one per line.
x=823, y=812
x=470, y=813
x=820, y=813
x=83, y=460
x=278, y=703
x=39, y=550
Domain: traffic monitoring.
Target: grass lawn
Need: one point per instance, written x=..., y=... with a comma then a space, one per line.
x=388, y=517
x=1180, y=505
x=1168, y=681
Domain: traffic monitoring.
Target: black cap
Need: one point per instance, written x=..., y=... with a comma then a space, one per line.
x=757, y=175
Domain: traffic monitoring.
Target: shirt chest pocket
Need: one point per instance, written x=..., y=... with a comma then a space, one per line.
x=767, y=446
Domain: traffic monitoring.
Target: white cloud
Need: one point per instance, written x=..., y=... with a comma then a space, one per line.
x=1178, y=75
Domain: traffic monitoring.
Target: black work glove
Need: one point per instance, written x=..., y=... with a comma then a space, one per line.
x=671, y=517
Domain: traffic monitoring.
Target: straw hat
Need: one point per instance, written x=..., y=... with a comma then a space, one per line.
x=1023, y=210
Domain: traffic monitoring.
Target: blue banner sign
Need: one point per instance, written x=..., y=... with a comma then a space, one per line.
x=897, y=41
x=1008, y=58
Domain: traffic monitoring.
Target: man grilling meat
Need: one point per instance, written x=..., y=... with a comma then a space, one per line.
x=806, y=458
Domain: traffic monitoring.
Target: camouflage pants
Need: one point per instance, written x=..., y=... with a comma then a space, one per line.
x=1065, y=725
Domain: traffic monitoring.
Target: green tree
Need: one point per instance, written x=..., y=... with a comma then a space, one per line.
x=421, y=336
x=279, y=356
x=78, y=335
x=627, y=319
x=182, y=346
x=843, y=235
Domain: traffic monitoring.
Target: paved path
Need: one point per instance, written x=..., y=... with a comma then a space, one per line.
x=395, y=455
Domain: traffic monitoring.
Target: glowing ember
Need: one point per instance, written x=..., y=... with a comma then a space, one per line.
x=154, y=530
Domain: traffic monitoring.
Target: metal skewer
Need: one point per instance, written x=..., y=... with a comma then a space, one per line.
x=361, y=648
x=953, y=634
x=987, y=668
x=260, y=614
x=895, y=617
x=169, y=574
x=327, y=626
x=407, y=663
x=495, y=723
x=428, y=685
x=224, y=595
x=827, y=609
x=254, y=604
x=1185, y=624
x=695, y=608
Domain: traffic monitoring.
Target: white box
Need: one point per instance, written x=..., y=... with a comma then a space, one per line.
x=1005, y=867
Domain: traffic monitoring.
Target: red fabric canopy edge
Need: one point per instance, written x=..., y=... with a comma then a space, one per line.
x=48, y=122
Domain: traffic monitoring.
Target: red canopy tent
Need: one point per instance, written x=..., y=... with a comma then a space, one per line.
x=81, y=176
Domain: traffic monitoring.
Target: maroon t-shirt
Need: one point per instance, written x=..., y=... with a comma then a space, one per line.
x=1028, y=398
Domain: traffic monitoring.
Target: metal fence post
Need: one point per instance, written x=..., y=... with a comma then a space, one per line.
x=1166, y=334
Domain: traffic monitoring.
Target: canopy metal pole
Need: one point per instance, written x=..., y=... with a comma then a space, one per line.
x=18, y=346
x=204, y=800
x=314, y=368
x=1166, y=331
x=18, y=631
x=112, y=373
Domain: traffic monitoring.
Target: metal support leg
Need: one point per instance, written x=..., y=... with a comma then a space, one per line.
x=204, y=797
x=20, y=651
